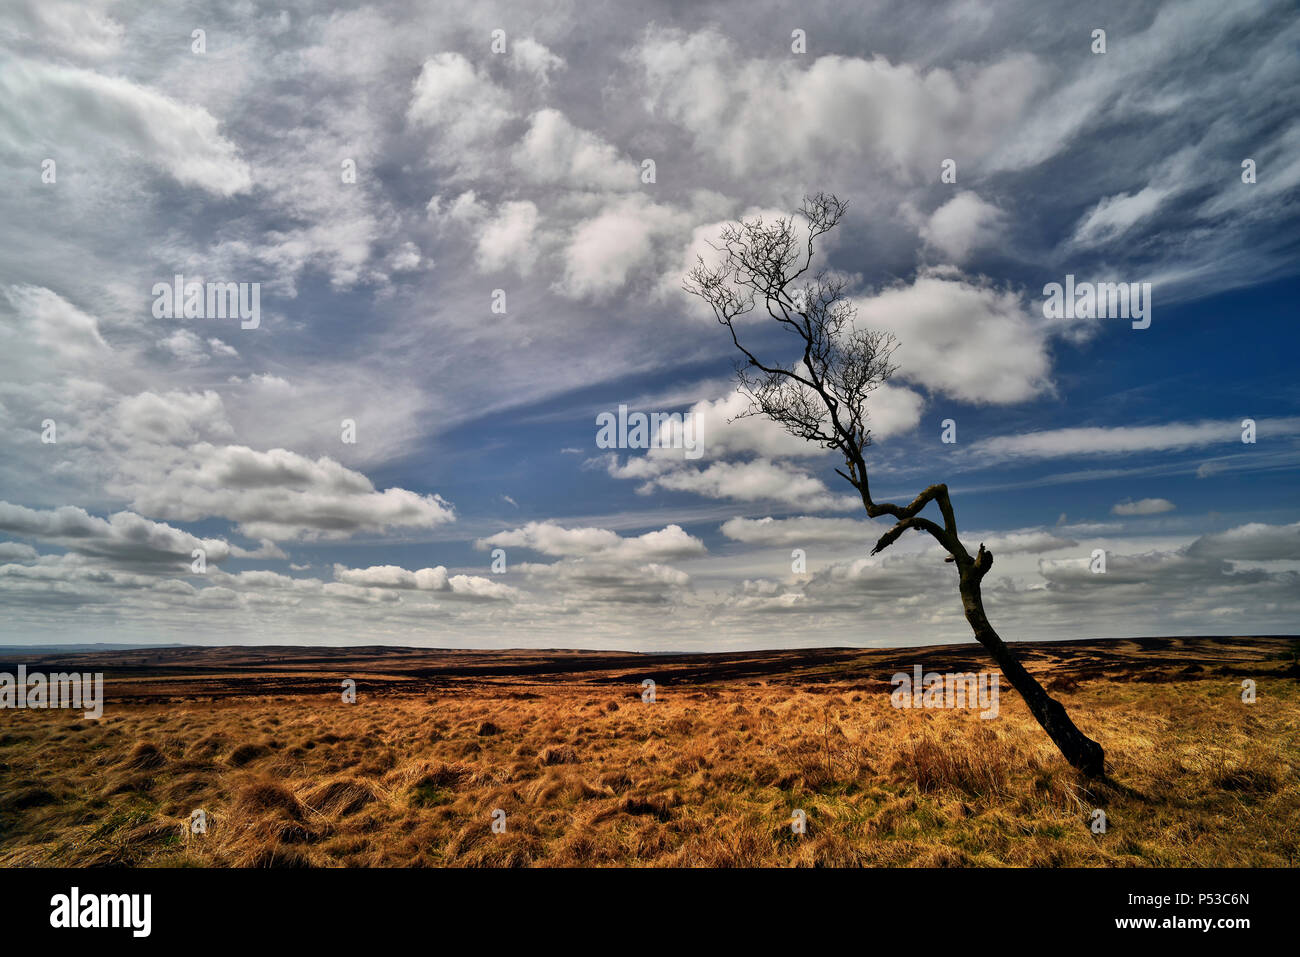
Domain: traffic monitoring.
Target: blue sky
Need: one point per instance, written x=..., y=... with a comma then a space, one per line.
x=520, y=168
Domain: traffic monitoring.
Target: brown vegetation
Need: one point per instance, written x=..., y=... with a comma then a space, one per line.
x=709, y=774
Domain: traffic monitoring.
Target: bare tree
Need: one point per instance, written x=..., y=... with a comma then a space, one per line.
x=822, y=397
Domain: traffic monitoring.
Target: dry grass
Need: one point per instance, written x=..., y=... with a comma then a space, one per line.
x=707, y=775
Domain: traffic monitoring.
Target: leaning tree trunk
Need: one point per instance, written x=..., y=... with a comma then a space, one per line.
x=1079, y=749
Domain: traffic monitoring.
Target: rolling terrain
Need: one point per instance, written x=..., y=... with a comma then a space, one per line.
x=587, y=773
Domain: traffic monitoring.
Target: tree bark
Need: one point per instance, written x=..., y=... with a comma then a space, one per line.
x=1081, y=751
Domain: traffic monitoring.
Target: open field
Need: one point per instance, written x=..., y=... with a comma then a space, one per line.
x=587, y=773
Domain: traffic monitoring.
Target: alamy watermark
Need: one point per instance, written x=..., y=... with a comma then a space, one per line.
x=1098, y=300
x=179, y=299
x=934, y=690
x=654, y=430
x=59, y=690
x=75, y=909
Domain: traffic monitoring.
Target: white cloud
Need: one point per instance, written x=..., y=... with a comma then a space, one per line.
x=606, y=250
x=1145, y=506
x=79, y=28
x=555, y=152
x=1115, y=215
x=721, y=430
x=750, y=113
x=962, y=337
x=962, y=225
x=758, y=480
x=801, y=531
x=169, y=418
x=459, y=101
x=405, y=258
x=282, y=495
x=80, y=112
x=601, y=544
x=535, y=59
x=466, y=208
x=1253, y=542
x=16, y=552
x=185, y=345
x=510, y=239
x=1121, y=440
x=436, y=579
x=123, y=536
x=1027, y=541
x=535, y=171
x=70, y=337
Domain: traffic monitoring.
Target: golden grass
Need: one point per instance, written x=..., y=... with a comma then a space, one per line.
x=705, y=776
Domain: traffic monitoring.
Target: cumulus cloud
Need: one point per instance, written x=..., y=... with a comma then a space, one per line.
x=962, y=225
x=533, y=172
x=470, y=587
x=726, y=428
x=1253, y=542
x=962, y=337
x=70, y=337
x=122, y=537
x=535, y=59
x=79, y=111
x=282, y=495
x=509, y=240
x=758, y=480
x=605, y=251
x=185, y=345
x=1180, y=585
x=801, y=531
x=464, y=208
x=1194, y=578
x=548, y=538
x=555, y=152
x=405, y=258
x=457, y=100
x=747, y=112
x=597, y=566
x=16, y=552
x=743, y=457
